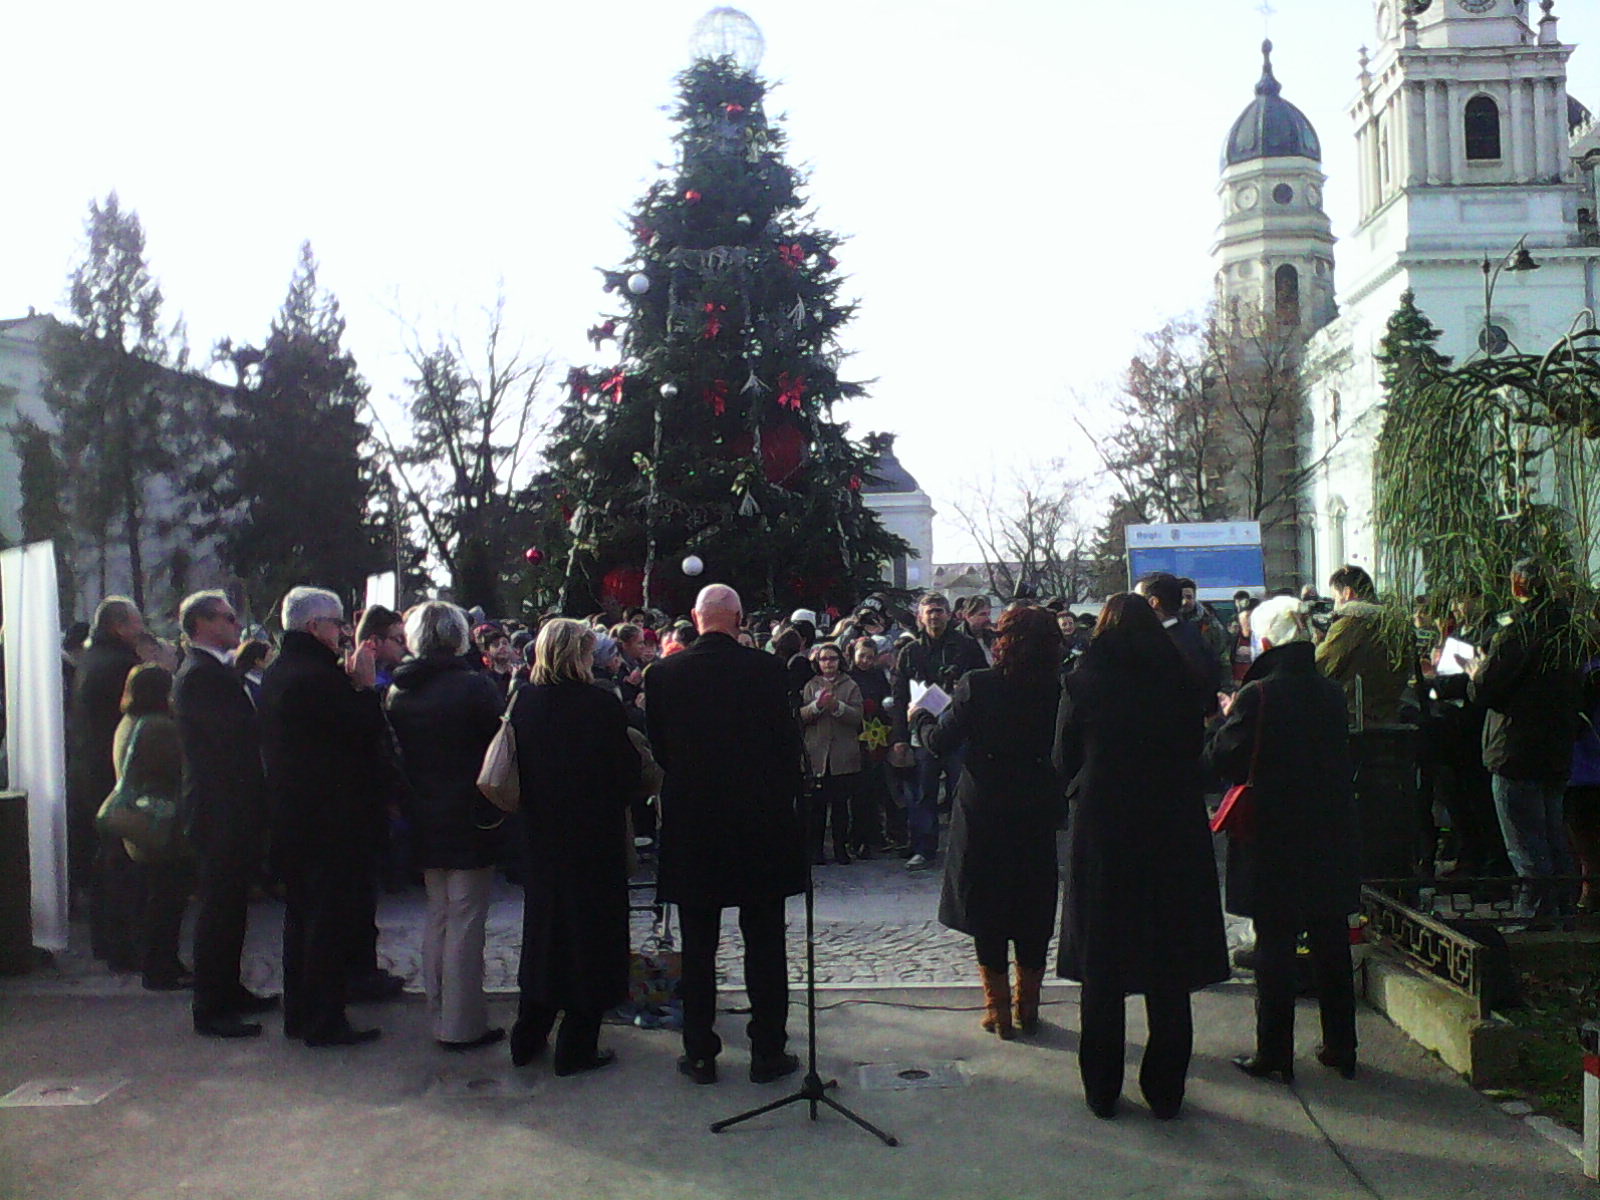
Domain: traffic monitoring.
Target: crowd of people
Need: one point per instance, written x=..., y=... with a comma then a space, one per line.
x=738, y=749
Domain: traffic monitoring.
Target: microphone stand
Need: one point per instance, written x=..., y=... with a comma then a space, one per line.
x=813, y=1090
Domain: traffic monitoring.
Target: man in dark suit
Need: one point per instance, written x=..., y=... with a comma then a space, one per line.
x=721, y=728
x=320, y=728
x=1164, y=591
x=224, y=808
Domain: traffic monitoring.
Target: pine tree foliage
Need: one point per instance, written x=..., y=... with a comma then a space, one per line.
x=118, y=409
x=291, y=491
x=712, y=433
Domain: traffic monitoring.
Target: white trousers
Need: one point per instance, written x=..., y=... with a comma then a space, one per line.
x=452, y=952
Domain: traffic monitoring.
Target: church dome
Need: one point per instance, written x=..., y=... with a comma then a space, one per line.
x=1271, y=127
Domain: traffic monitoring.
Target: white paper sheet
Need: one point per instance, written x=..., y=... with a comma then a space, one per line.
x=932, y=698
x=1454, y=650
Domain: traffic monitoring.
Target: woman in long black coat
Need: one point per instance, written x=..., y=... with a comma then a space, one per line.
x=1142, y=913
x=1297, y=866
x=1000, y=874
x=578, y=772
x=444, y=714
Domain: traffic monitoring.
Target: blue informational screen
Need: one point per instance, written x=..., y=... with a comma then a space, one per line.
x=1211, y=567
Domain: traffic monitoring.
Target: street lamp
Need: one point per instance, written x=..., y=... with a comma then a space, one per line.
x=1493, y=339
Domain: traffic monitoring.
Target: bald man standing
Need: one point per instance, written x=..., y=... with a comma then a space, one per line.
x=721, y=727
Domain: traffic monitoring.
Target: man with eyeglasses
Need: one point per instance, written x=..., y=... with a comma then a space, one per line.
x=224, y=810
x=321, y=725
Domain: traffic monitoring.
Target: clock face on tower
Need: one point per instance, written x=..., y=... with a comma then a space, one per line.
x=1476, y=6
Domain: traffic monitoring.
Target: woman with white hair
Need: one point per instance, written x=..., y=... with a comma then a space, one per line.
x=578, y=773
x=1293, y=865
x=444, y=715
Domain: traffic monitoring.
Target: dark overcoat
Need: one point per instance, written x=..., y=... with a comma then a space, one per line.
x=578, y=772
x=224, y=790
x=722, y=729
x=320, y=739
x=95, y=712
x=444, y=715
x=1302, y=859
x=1000, y=871
x=1142, y=907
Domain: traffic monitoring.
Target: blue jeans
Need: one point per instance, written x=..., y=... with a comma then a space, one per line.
x=1530, y=813
x=922, y=810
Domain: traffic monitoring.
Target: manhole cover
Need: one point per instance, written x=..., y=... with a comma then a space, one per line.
x=476, y=1085
x=60, y=1093
x=897, y=1077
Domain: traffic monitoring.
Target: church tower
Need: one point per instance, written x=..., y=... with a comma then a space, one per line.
x=1274, y=249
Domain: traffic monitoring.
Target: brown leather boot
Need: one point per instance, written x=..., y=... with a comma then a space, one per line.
x=1029, y=981
x=997, y=1002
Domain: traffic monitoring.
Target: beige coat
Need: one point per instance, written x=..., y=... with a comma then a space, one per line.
x=833, y=738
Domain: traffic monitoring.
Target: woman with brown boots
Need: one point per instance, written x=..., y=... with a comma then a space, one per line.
x=1000, y=876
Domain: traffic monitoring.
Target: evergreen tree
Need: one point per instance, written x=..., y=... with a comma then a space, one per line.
x=712, y=435
x=1405, y=353
x=118, y=410
x=292, y=488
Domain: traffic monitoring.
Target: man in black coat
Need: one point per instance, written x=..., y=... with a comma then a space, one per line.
x=721, y=728
x=940, y=655
x=1165, y=593
x=105, y=871
x=321, y=725
x=224, y=810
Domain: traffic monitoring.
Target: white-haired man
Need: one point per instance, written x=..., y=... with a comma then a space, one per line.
x=320, y=728
x=722, y=729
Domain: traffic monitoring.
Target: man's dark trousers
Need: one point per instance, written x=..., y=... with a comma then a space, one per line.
x=765, y=972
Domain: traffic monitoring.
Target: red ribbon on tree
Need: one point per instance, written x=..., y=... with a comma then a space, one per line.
x=732, y=109
x=790, y=389
x=855, y=483
x=717, y=396
x=793, y=254
x=714, y=313
x=613, y=385
x=692, y=196
x=600, y=333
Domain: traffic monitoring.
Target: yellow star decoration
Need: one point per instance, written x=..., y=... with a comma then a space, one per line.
x=875, y=734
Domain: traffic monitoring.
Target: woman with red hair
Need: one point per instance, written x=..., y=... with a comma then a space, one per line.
x=1000, y=875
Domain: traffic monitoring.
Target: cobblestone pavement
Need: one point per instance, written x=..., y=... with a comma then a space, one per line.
x=876, y=922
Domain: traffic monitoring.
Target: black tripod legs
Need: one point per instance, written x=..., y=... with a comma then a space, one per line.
x=813, y=1091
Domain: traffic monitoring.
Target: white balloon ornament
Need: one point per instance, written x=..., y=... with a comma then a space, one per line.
x=692, y=565
x=669, y=391
x=638, y=283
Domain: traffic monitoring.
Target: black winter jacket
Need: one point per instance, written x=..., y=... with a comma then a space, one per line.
x=1532, y=688
x=943, y=662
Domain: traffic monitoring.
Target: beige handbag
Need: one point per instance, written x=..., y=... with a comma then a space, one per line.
x=498, y=779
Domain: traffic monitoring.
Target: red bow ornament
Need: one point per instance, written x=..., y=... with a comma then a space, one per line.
x=612, y=384
x=793, y=255
x=717, y=396
x=714, y=313
x=790, y=390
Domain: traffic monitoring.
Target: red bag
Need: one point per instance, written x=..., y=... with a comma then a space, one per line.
x=1236, y=815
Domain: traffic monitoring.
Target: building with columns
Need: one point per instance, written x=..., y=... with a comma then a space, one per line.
x=1469, y=145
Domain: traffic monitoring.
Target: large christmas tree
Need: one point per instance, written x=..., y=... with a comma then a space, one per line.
x=711, y=435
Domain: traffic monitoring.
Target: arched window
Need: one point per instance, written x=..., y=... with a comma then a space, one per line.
x=1482, y=129
x=1286, y=288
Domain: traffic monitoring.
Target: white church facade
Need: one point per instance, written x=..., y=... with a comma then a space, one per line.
x=1470, y=149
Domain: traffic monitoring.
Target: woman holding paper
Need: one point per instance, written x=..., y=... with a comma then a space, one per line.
x=1000, y=876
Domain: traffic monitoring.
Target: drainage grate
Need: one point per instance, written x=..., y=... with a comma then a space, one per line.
x=900, y=1077
x=477, y=1085
x=60, y=1093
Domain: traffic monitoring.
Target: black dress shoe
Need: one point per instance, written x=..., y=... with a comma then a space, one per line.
x=348, y=1036
x=764, y=1069
x=601, y=1058
x=250, y=1004
x=701, y=1070
x=487, y=1038
x=226, y=1027
x=1344, y=1064
x=526, y=1046
x=1260, y=1068
x=1104, y=1108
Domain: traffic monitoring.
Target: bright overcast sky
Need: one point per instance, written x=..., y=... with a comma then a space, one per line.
x=1027, y=185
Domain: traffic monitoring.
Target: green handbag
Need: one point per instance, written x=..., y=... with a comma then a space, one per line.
x=146, y=822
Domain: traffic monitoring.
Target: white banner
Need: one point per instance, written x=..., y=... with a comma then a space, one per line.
x=35, y=727
x=383, y=589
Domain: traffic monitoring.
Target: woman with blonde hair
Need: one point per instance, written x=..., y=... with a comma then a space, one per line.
x=578, y=773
